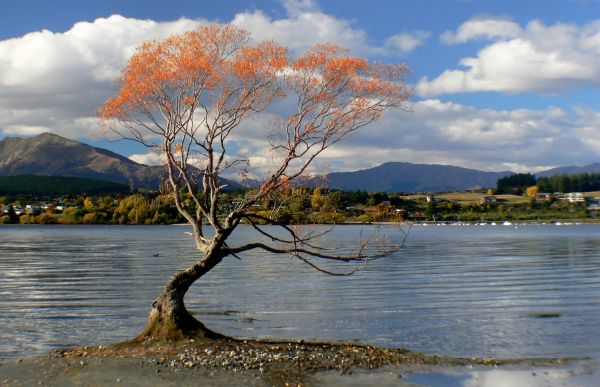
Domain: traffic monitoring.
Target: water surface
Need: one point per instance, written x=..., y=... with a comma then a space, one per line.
x=485, y=291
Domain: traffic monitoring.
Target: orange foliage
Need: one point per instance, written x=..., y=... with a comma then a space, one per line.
x=191, y=90
x=174, y=73
x=341, y=93
x=263, y=59
x=179, y=148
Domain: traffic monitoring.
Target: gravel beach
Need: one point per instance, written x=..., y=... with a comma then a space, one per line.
x=221, y=362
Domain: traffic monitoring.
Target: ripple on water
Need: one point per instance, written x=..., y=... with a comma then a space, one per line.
x=463, y=291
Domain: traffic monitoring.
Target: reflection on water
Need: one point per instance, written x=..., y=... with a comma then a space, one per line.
x=465, y=291
x=574, y=376
x=582, y=374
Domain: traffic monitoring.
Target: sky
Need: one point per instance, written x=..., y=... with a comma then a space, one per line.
x=498, y=84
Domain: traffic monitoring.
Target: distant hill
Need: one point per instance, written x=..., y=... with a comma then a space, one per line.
x=408, y=177
x=570, y=170
x=57, y=185
x=52, y=155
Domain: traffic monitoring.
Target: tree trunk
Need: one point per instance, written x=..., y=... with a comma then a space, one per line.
x=169, y=319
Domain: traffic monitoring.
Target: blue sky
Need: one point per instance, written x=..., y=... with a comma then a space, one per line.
x=500, y=84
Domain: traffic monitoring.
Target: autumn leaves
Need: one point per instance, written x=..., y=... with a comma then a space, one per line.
x=218, y=68
x=184, y=96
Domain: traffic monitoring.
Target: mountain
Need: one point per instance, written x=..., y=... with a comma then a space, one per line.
x=571, y=169
x=52, y=155
x=408, y=177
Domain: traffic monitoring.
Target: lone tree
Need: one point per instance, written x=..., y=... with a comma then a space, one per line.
x=186, y=96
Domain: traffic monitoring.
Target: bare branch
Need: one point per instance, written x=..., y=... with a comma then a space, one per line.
x=187, y=96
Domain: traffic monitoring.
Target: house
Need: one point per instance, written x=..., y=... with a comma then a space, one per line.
x=488, y=199
x=32, y=209
x=434, y=199
x=594, y=204
x=574, y=197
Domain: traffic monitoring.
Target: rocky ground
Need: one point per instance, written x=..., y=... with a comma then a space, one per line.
x=229, y=362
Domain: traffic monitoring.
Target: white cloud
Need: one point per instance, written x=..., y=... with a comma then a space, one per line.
x=588, y=128
x=150, y=158
x=92, y=51
x=449, y=133
x=54, y=81
x=538, y=58
x=482, y=29
x=307, y=26
x=403, y=43
x=439, y=132
x=298, y=7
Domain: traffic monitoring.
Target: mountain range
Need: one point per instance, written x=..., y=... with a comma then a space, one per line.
x=408, y=177
x=570, y=170
x=52, y=155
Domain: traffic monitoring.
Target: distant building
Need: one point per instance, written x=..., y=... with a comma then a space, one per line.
x=32, y=209
x=431, y=198
x=545, y=196
x=594, y=204
x=488, y=199
x=574, y=197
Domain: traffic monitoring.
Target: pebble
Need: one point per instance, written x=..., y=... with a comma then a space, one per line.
x=264, y=357
x=243, y=359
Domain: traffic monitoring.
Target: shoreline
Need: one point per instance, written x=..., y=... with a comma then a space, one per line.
x=516, y=222
x=229, y=361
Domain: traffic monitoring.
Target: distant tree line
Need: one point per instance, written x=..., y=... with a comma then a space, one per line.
x=311, y=205
x=581, y=182
x=515, y=184
x=518, y=183
x=57, y=185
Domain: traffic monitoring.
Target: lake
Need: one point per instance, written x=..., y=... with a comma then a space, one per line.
x=484, y=291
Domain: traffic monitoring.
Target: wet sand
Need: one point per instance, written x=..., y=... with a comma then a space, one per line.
x=136, y=372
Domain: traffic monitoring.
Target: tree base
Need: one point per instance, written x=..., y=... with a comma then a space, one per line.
x=173, y=325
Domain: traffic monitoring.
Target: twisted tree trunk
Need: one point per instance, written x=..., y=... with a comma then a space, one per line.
x=169, y=319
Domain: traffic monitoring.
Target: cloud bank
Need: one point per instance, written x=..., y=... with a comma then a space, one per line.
x=54, y=81
x=439, y=132
x=538, y=58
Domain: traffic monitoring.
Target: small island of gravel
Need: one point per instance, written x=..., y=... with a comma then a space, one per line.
x=226, y=361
